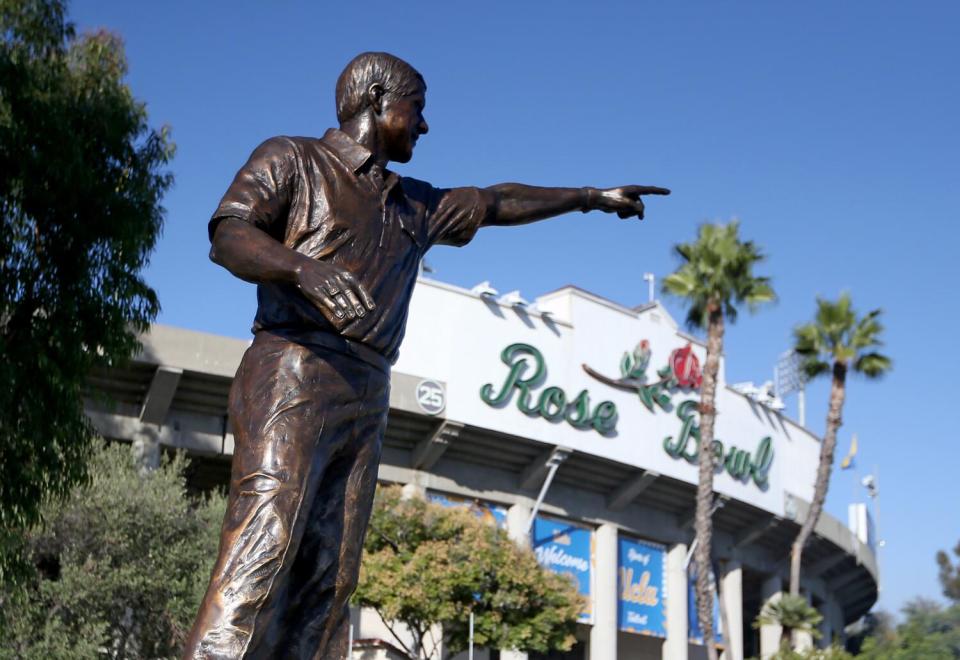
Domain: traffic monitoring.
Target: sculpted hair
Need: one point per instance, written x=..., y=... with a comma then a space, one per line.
x=366, y=69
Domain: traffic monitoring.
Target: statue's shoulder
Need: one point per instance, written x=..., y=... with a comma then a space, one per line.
x=416, y=188
x=280, y=146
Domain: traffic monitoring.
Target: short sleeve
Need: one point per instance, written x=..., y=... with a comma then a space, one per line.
x=454, y=214
x=261, y=191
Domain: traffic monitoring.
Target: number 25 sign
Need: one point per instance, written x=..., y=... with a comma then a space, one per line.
x=431, y=397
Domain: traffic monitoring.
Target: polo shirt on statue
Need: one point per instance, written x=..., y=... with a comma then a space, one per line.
x=326, y=199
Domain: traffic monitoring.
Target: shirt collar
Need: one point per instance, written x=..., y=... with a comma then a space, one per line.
x=351, y=152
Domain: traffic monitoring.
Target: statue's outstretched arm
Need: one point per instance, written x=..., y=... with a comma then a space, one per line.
x=519, y=204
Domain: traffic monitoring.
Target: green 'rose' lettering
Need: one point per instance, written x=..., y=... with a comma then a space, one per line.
x=513, y=357
x=552, y=404
x=578, y=412
x=605, y=417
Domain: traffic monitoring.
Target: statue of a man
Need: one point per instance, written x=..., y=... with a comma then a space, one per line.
x=333, y=241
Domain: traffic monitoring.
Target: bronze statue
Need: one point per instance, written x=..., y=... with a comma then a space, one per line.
x=333, y=241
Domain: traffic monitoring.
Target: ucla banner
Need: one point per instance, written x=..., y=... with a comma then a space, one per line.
x=693, y=621
x=567, y=549
x=641, y=587
x=489, y=512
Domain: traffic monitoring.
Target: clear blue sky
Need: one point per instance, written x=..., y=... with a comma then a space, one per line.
x=830, y=129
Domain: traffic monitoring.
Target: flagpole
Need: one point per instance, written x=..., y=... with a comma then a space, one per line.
x=876, y=524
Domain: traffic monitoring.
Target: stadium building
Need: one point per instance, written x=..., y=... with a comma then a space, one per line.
x=498, y=403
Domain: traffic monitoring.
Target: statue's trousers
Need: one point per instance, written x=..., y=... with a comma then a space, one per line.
x=308, y=425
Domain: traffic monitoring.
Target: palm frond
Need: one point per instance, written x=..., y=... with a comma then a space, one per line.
x=867, y=331
x=808, y=340
x=873, y=365
x=793, y=612
x=838, y=335
x=717, y=269
x=760, y=292
x=813, y=368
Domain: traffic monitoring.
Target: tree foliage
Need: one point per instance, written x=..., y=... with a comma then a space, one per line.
x=792, y=613
x=80, y=186
x=832, y=652
x=795, y=614
x=949, y=574
x=715, y=276
x=837, y=341
x=120, y=566
x=426, y=566
x=838, y=335
x=929, y=631
x=717, y=271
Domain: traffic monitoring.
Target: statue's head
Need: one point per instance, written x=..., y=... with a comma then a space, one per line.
x=392, y=93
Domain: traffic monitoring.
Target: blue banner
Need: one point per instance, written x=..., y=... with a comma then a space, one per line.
x=487, y=511
x=641, y=587
x=693, y=621
x=567, y=549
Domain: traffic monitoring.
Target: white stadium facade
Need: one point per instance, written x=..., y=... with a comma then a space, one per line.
x=497, y=401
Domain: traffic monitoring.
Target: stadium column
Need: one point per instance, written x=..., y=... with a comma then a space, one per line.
x=518, y=524
x=770, y=592
x=804, y=640
x=146, y=449
x=732, y=587
x=413, y=490
x=518, y=521
x=832, y=626
x=675, y=647
x=603, y=634
x=837, y=626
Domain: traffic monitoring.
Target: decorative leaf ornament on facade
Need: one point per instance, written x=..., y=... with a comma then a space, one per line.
x=681, y=371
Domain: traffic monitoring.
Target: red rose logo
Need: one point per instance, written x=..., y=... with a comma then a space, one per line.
x=686, y=367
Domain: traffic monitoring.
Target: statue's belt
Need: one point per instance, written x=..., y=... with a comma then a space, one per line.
x=342, y=345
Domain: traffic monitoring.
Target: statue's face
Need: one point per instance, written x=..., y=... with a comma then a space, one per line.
x=401, y=123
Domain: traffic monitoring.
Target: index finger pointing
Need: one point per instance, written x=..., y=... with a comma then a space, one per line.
x=653, y=190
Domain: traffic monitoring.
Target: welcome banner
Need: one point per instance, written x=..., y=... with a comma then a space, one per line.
x=567, y=549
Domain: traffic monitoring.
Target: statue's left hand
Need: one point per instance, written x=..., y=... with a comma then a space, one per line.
x=625, y=201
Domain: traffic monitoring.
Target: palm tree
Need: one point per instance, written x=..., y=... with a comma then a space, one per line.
x=716, y=274
x=791, y=613
x=835, y=342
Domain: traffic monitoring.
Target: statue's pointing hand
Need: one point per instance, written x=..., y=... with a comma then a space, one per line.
x=337, y=293
x=625, y=201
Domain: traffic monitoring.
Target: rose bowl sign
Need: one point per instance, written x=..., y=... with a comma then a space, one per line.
x=682, y=375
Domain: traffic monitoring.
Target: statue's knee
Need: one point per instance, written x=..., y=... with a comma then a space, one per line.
x=260, y=483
